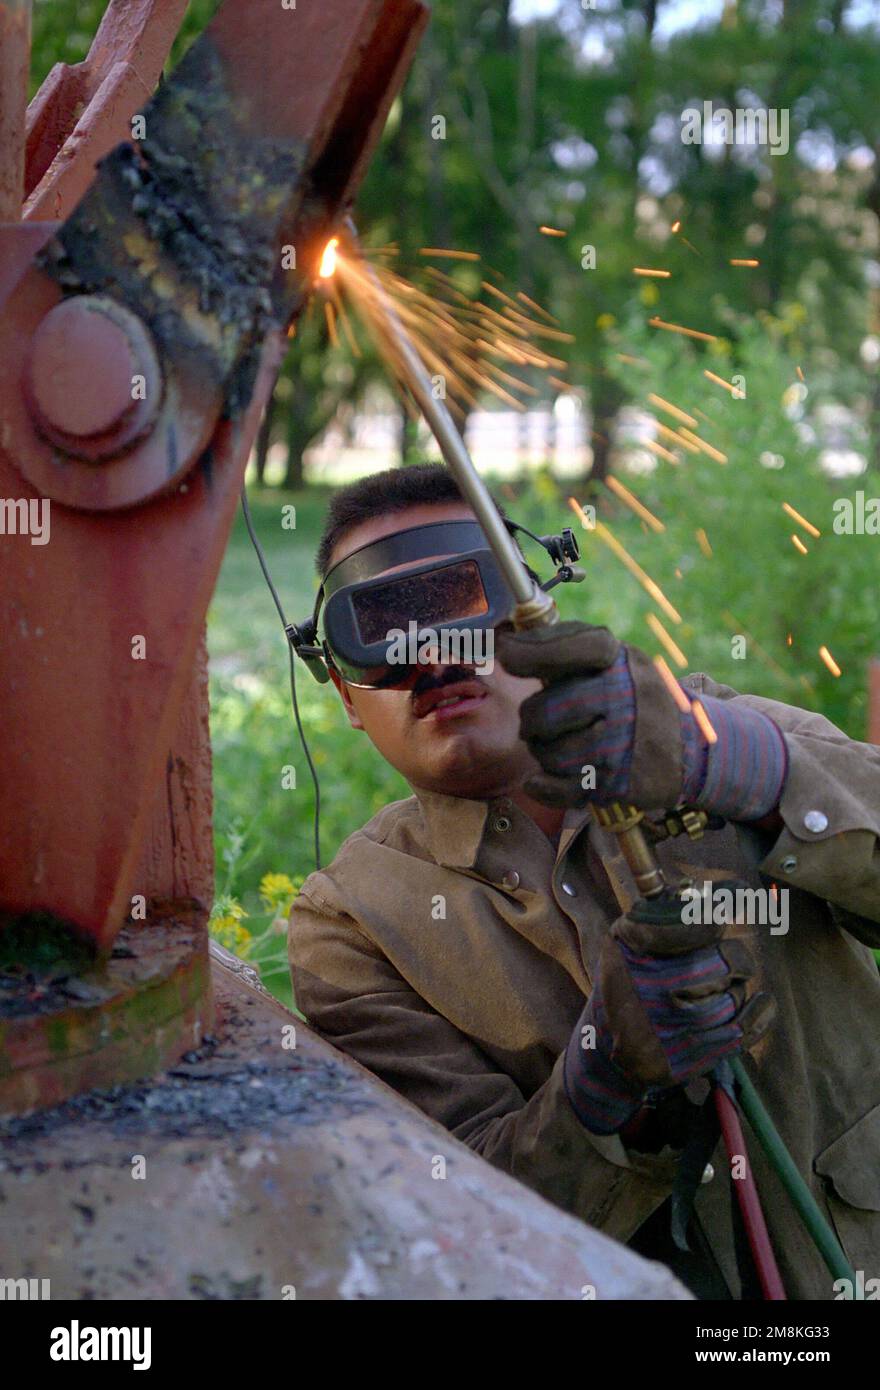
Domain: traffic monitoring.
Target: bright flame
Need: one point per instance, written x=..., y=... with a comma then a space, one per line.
x=328, y=260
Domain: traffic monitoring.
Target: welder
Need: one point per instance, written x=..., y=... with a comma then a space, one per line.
x=478, y=945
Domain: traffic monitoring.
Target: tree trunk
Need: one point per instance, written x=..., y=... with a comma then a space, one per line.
x=264, y=438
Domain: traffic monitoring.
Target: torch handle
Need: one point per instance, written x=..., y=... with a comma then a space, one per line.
x=622, y=820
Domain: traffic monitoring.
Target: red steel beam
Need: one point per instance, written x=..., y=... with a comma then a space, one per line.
x=15, y=50
x=83, y=109
x=93, y=706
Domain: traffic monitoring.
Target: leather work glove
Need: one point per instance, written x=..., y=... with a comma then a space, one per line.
x=605, y=706
x=670, y=1000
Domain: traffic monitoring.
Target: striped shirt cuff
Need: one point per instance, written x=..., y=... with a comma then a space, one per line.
x=742, y=775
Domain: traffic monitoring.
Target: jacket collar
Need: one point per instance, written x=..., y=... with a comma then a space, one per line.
x=455, y=825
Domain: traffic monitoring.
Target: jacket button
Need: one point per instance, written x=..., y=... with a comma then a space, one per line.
x=816, y=821
x=788, y=864
x=501, y=823
x=510, y=879
x=571, y=891
x=708, y=1173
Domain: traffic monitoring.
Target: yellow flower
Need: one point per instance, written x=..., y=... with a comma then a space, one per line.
x=225, y=925
x=278, y=892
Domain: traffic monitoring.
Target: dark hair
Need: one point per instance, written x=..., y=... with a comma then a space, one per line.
x=393, y=490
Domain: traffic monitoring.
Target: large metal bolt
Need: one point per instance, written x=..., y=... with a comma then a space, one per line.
x=92, y=381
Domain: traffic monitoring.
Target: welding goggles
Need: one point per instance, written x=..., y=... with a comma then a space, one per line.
x=411, y=587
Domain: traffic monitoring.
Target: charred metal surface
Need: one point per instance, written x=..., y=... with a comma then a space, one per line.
x=187, y=228
x=269, y=1172
x=71, y=1019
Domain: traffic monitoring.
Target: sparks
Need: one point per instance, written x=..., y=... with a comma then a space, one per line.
x=552, y=231
x=658, y=449
x=677, y=328
x=673, y=686
x=801, y=520
x=719, y=380
x=676, y=226
x=703, y=542
x=676, y=438
x=701, y=444
x=799, y=545
x=450, y=255
x=673, y=410
x=829, y=661
x=749, y=264
x=658, y=274
x=668, y=642
x=329, y=259
x=609, y=539
x=615, y=486
x=704, y=723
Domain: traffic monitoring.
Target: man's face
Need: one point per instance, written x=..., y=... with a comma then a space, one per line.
x=468, y=747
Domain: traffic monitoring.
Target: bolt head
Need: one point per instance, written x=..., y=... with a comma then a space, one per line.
x=80, y=376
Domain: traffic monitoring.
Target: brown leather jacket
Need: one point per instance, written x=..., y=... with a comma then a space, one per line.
x=449, y=949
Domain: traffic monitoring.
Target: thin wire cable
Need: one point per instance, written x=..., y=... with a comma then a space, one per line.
x=248, y=521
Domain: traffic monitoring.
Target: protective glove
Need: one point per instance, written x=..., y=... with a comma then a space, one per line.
x=605, y=706
x=670, y=1000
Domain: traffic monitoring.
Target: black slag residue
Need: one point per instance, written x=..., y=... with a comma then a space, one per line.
x=199, y=1102
x=212, y=200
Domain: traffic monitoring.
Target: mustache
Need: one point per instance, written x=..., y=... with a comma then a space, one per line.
x=449, y=675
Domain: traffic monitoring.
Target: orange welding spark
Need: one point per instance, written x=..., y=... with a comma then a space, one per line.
x=450, y=255
x=636, y=570
x=537, y=307
x=745, y=263
x=800, y=373
x=709, y=449
x=829, y=661
x=632, y=361
x=663, y=636
x=552, y=231
x=799, y=545
x=719, y=380
x=565, y=386
x=673, y=686
x=673, y=410
x=634, y=504
x=660, y=451
x=329, y=259
x=677, y=328
x=330, y=315
x=789, y=639
x=348, y=330
x=678, y=574
x=677, y=438
x=658, y=274
x=703, y=542
x=704, y=724
x=801, y=520
x=676, y=226
x=581, y=514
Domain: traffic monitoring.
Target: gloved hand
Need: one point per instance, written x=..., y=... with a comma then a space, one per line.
x=670, y=1000
x=606, y=706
